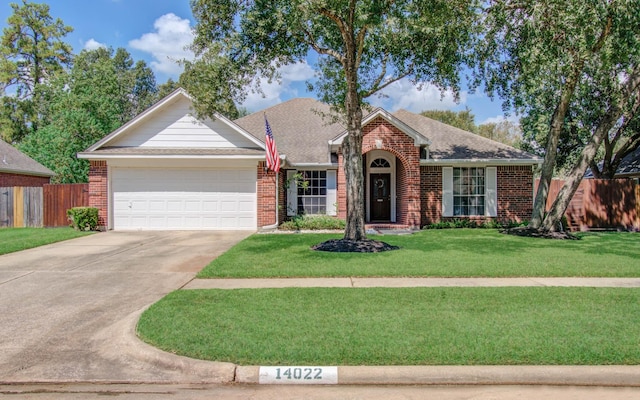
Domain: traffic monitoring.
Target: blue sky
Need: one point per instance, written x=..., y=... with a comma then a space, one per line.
x=158, y=30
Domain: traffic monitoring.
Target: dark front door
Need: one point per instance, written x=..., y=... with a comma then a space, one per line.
x=380, y=197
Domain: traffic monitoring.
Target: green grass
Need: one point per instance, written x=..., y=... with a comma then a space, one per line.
x=16, y=239
x=437, y=253
x=417, y=326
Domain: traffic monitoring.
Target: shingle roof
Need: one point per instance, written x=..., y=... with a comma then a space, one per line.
x=448, y=142
x=15, y=162
x=302, y=134
x=300, y=131
x=630, y=164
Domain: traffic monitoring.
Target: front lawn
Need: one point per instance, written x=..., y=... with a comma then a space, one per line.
x=414, y=326
x=16, y=239
x=437, y=253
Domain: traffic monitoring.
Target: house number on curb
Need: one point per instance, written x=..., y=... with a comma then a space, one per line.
x=298, y=375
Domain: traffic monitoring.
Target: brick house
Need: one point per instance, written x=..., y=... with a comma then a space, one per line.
x=17, y=169
x=168, y=170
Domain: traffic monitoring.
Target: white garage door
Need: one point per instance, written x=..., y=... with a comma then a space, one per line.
x=181, y=198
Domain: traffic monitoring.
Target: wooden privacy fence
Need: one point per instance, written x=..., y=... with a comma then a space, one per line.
x=59, y=198
x=601, y=204
x=40, y=206
x=20, y=207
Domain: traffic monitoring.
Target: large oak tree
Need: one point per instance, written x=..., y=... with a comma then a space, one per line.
x=362, y=47
x=568, y=67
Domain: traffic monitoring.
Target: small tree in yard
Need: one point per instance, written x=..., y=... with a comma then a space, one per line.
x=362, y=47
x=571, y=68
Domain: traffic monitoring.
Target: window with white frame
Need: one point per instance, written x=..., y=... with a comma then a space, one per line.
x=312, y=196
x=468, y=191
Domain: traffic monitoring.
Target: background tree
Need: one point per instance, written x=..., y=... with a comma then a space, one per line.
x=362, y=47
x=101, y=92
x=464, y=119
x=32, y=53
x=545, y=58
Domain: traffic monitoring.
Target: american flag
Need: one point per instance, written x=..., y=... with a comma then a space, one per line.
x=273, y=159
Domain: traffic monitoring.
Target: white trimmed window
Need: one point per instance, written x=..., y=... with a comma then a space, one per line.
x=318, y=195
x=469, y=191
x=312, y=199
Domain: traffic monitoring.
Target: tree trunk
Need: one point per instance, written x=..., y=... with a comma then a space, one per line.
x=552, y=221
x=352, y=145
x=551, y=149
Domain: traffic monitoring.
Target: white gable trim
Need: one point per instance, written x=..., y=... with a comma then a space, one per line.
x=418, y=139
x=483, y=161
x=151, y=111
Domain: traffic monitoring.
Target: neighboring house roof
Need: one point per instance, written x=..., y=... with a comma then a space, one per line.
x=629, y=166
x=15, y=162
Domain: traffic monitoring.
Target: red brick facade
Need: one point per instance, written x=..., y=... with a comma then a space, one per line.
x=267, y=195
x=9, y=180
x=418, y=188
x=515, y=193
x=98, y=190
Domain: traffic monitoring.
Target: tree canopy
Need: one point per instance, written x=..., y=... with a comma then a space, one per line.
x=568, y=67
x=102, y=91
x=32, y=52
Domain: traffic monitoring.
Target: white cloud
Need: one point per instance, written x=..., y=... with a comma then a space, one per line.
x=292, y=76
x=403, y=94
x=500, y=118
x=93, y=44
x=167, y=43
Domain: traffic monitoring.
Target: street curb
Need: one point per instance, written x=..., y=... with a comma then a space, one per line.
x=614, y=375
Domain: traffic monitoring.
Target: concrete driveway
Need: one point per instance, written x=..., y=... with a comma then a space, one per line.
x=68, y=310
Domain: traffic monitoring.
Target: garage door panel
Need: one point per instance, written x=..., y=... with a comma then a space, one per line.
x=184, y=199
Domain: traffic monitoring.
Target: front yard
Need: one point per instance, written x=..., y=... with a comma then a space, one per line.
x=16, y=239
x=411, y=326
x=435, y=253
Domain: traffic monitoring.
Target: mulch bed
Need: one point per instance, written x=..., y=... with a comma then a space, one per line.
x=530, y=232
x=354, y=246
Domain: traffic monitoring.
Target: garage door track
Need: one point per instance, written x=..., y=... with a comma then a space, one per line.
x=69, y=309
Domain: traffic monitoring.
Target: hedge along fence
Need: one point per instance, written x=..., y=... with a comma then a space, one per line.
x=40, y=206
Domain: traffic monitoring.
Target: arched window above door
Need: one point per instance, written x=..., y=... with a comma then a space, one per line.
x=380, y=163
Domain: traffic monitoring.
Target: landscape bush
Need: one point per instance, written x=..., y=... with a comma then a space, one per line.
x=313, y=222
x=83, y=218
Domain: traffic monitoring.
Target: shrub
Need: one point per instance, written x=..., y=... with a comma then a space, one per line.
x=468, y=223
x=83, y=218
x=312, y=222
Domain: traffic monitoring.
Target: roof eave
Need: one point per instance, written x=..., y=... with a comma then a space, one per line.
x=26, y=172
x=482, y=161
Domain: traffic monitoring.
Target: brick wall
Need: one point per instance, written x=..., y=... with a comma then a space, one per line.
x=266, y=201
x=9, y=180
x=380, y=134
x=98, y=191
x=431, y=194
x=515, y=193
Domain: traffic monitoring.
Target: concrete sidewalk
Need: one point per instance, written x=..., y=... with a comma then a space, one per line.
x=410, y=282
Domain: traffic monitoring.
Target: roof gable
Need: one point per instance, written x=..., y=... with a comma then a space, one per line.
x=170, y=124
x=417, y=137
x=14, y=161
